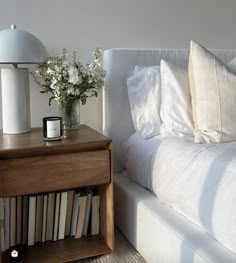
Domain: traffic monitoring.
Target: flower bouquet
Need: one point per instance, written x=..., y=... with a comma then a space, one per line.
x=70, y=82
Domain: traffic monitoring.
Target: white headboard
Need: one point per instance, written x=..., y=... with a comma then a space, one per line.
x=119, y=65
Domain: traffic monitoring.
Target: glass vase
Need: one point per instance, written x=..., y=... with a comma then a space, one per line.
x=70, y=113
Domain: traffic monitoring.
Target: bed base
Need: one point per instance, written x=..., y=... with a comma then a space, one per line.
x=158, y=232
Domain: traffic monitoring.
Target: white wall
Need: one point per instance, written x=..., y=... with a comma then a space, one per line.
x=82, y=25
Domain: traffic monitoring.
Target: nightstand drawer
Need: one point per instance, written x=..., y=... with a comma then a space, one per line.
x=52, y=172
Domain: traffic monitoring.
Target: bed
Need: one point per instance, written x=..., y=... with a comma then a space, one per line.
x=157, y=230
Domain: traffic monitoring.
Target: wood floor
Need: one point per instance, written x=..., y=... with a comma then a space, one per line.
x=123, y=253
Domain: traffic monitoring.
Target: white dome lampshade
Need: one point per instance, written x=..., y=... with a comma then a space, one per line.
x=17, y=47
x=20, y=47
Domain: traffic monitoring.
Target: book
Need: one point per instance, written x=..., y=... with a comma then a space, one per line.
x=81, y=215
x=50, y=216
x=70, y=199
x=87, y=212
x=2, y=230
x=25, y=218
x=62, y=216
x=7, y=222
x=31, y=224
x=12, y=221
x=19, y=220
x=56, y=217
x=95, y=224
x=45, y=205
x=39, y=218
x=75, y=214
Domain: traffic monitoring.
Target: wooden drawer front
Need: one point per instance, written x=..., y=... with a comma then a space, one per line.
x=50, y=173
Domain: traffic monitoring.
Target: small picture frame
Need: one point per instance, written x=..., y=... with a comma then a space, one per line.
x=52, y=128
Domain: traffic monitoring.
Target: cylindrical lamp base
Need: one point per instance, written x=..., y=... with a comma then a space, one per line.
x=15, y=100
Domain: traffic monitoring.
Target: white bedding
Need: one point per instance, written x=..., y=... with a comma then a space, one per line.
x=138, y=158
x=198, y=180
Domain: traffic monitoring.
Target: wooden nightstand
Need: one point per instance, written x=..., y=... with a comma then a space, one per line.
x=29, y=165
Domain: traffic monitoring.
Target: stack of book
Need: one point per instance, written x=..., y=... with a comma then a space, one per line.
x=48, y=217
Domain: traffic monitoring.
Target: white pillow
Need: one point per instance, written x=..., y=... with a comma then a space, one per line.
x=176, y=109
x=144, y=97
x=138, y=68
x=213, y=91
x=232, y=65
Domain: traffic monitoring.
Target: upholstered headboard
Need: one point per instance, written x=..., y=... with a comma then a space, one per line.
x=119, y=65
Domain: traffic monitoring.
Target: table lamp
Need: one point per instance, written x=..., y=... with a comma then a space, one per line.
x=17, y=47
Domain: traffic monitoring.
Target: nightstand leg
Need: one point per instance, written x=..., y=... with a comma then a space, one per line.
x=106, y=212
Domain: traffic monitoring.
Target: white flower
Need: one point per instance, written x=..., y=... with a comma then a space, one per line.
x=50, y=71
x=53, y=84
x=90, y=80
x=57, y=68
x=70, y=90
x=74, y=77
x=65, y=64
x=77, y=92
x=84, y=72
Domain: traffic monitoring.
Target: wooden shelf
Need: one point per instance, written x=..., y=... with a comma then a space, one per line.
x=62, y=251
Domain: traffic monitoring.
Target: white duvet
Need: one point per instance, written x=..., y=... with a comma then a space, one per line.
x=198, y=180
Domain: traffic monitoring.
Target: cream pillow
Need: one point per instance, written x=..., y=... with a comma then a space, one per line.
x=213, y=91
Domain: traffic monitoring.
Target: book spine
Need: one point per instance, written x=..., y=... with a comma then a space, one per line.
x=87, y=213
x=25, y=219
x=95, y=215
x=13, y=221
x=39, y=218
x=32, y=215
x=7, y=222
x=45, y=204
x=70, y=199
x=75, y=214
x=62, y=218
x=50, y=216
x=81, y=216
x=19, y=221
x=2, y=230
x=56, y=218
